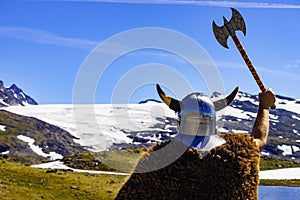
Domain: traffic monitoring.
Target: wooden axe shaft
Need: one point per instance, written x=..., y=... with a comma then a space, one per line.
x=249, y=63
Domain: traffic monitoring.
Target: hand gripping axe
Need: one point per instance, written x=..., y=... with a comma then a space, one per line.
x=228, y=29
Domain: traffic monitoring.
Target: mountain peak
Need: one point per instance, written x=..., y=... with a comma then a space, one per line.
x=13, y=96
x=14, y=87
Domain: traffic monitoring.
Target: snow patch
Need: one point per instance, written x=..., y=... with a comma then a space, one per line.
x=4, y=103
x=23, y=95
x=274, y=118
x=295, y=117
x=2, y=128
x=222, y=130
x=238, y=113
x=287, y=149
x=288, y=105
x=36, y=149
x=295, y=148
x=266, y=153
x=283, y=174
x=25, y=139
x=60, y=165
x=25, y=103
x=239, y=131
x=4, y=153
x=246, y=98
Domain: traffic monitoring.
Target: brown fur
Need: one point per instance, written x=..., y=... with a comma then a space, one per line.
x=227, y=172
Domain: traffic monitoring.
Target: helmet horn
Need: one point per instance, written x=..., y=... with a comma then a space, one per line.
x=172, y=103
x=222, y=103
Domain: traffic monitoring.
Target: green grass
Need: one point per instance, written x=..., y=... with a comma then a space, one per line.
x=20, y=182
x=123, y=161
x=120, y=161
x=269, y=163
x=295, y=182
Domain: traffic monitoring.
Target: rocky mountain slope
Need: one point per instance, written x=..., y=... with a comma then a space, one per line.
x=28, y=139
x=13, y=96
x=284, y=133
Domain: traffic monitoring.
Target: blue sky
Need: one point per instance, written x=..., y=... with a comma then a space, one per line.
x=43, y=44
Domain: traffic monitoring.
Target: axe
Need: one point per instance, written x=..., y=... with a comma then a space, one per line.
x=228, y=29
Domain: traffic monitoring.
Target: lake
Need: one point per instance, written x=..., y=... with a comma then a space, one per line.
x=278, y=193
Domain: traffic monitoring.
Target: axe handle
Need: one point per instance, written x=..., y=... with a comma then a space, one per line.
x=249, y=63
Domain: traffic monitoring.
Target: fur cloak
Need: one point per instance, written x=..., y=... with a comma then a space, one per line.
x=229, y=171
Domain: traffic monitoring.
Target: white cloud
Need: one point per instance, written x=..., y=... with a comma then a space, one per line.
x=43, y=37
x=283, y=74
x=295, y=64
x=215, y=3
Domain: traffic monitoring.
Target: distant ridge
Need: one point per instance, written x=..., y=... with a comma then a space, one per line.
x=149, y=100
x=14, y=96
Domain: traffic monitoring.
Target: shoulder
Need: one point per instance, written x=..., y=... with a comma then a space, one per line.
x=239, y=139
x=238, y=145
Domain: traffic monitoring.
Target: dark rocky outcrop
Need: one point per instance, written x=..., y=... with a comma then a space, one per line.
x=13, y=96
x=48, y=137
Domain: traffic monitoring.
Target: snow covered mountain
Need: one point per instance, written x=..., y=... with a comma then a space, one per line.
x=103, y=126
x=284, y=133
x=28, y=139
x=13, y=96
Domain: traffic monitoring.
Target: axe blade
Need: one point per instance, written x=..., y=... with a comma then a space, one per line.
x=221, y=33
x=228, y=29
x=237, y=21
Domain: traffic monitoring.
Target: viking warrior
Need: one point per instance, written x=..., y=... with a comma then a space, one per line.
x=212, y=166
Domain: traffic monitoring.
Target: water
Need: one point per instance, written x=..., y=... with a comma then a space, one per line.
x=278, y=193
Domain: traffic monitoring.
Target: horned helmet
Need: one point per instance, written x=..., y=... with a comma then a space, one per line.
x=197, y=114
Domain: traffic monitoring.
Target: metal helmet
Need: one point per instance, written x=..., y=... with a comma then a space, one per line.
x=197, y=112
x=198, y=115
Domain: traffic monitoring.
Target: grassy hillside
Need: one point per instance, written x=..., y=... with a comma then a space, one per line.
x=121, y=161
x=22, y=182
x=268, y=163
x=294, y=183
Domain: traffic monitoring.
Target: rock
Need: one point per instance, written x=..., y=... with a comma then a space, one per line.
x=4, y=148
x=73, y=187
x=51, y=171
